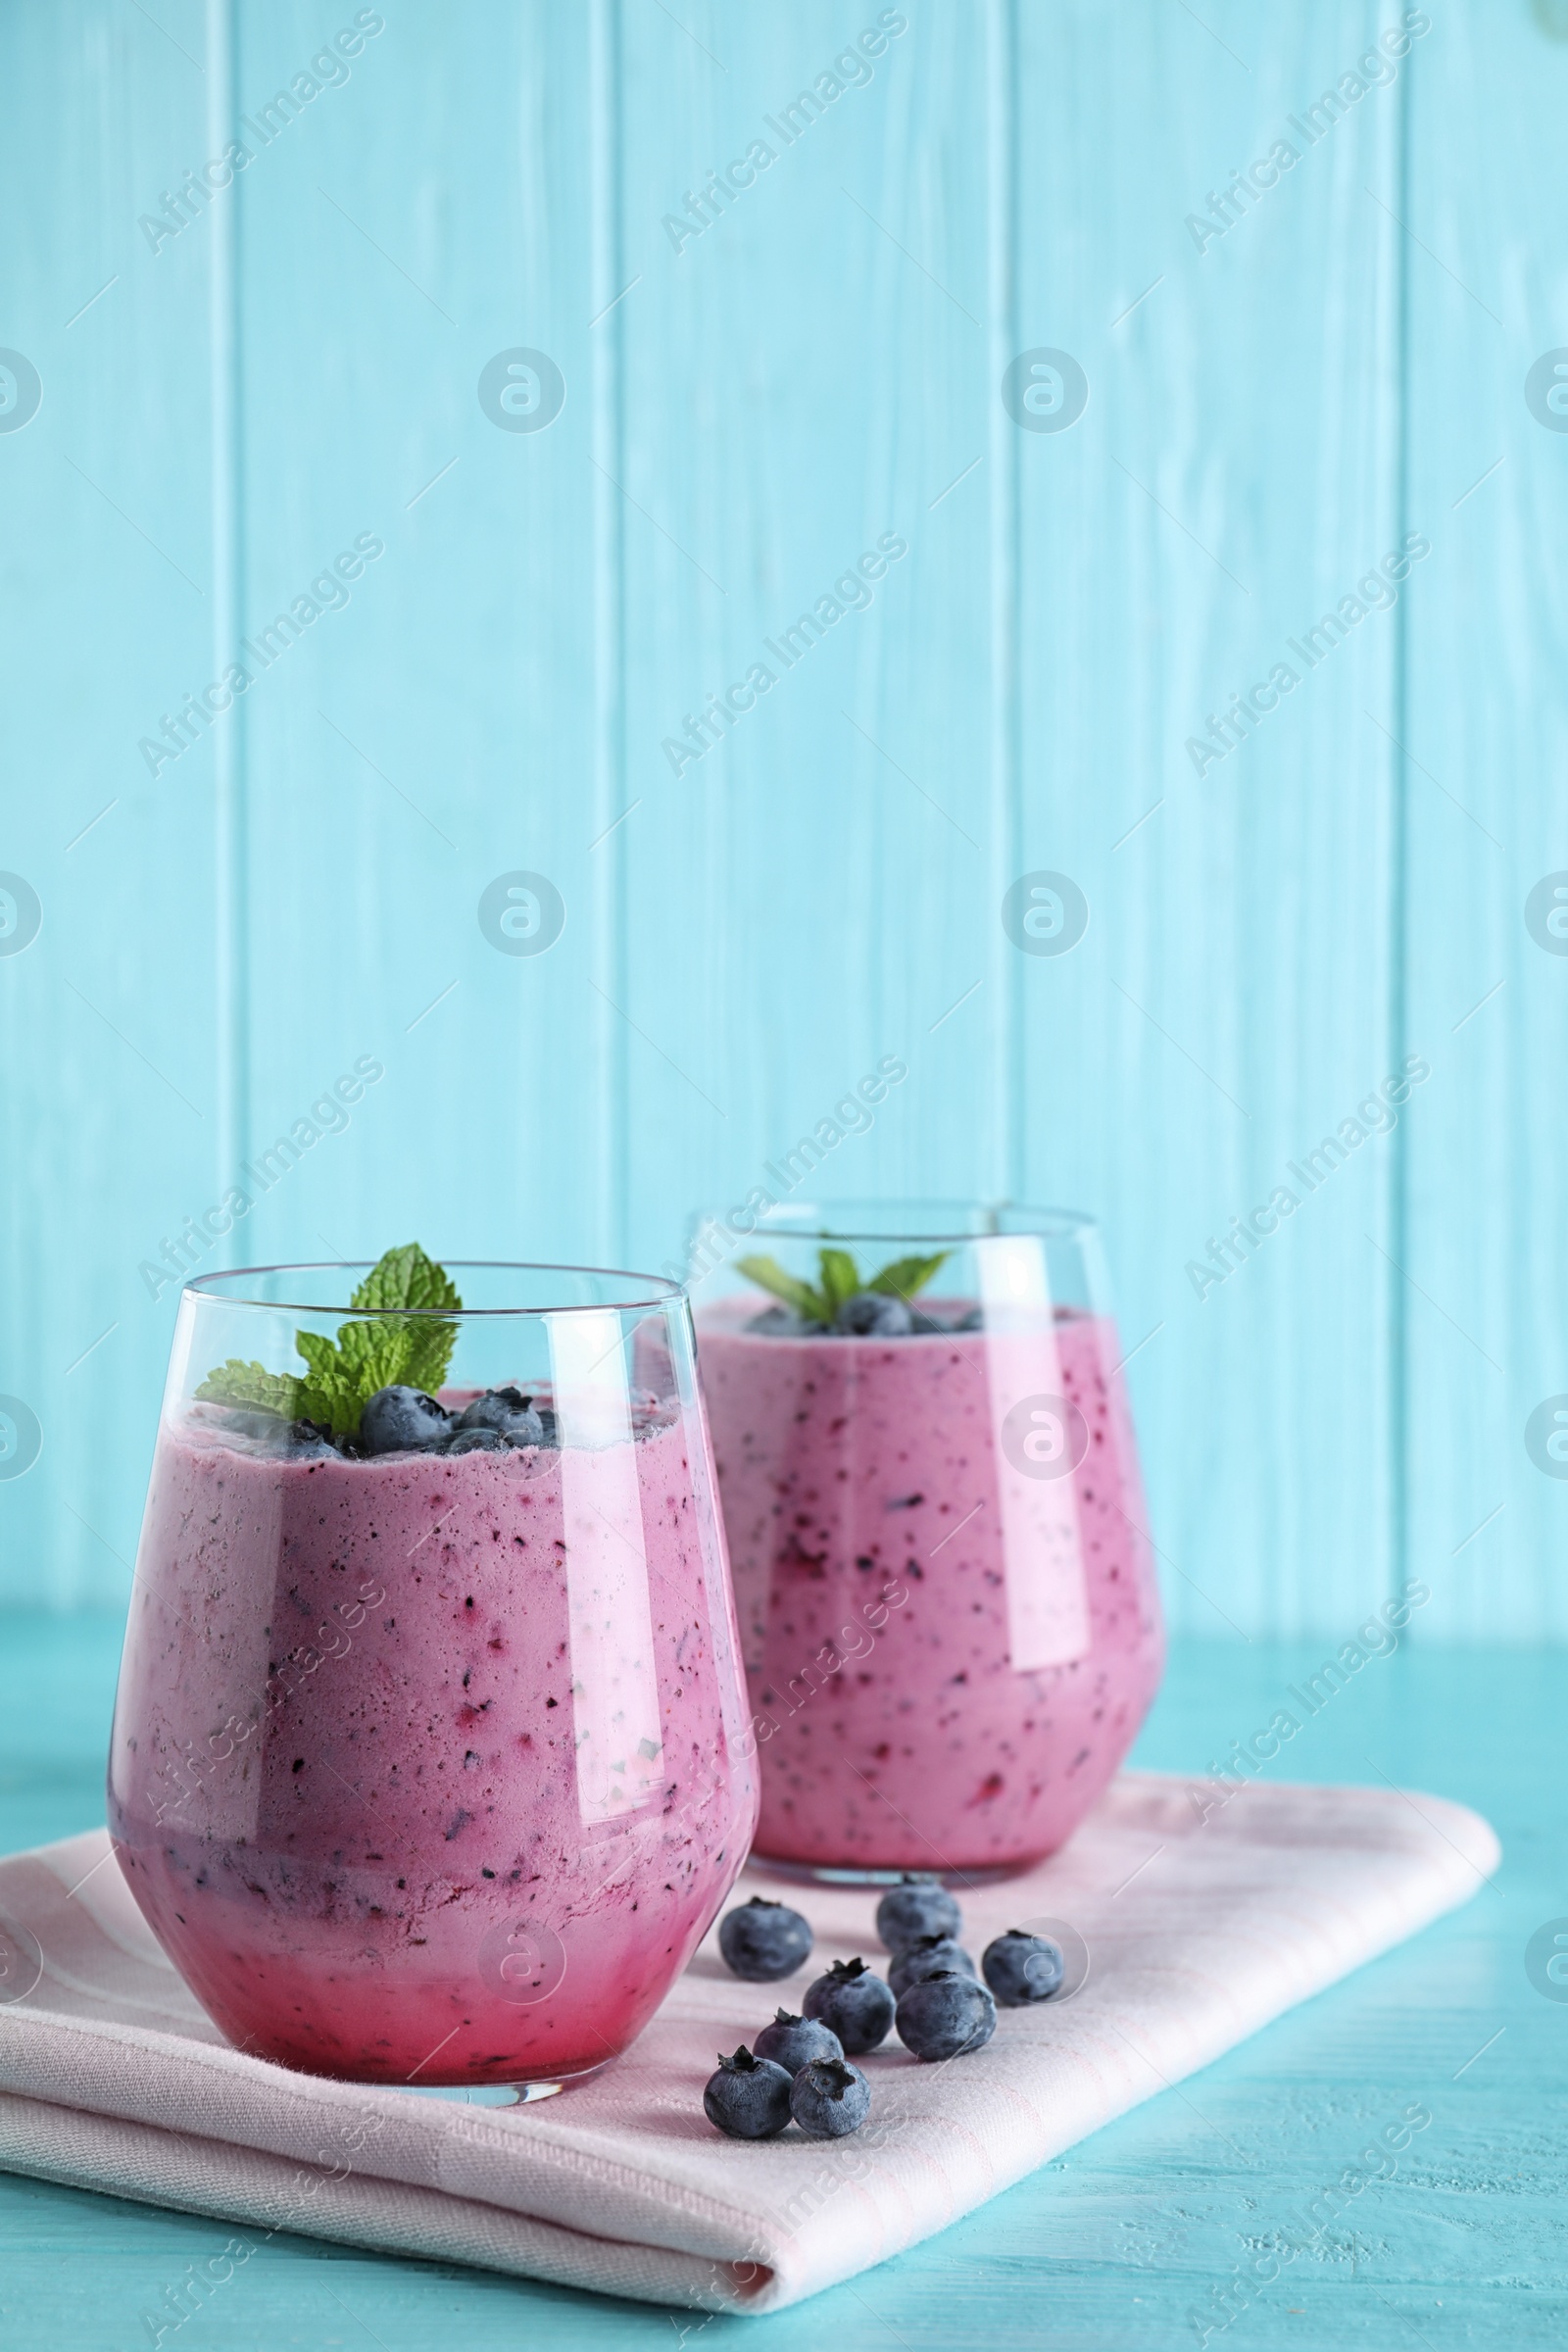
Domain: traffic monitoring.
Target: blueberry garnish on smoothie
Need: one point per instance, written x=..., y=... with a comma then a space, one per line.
x=506, y=1412
x=375, y=1389
x=839, y=1301
x=398, y=1418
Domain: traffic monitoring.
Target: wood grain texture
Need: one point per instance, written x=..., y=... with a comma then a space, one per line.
x=1231, y=478
x=1488, y=736
x=1131, y=2236
x=744, y=415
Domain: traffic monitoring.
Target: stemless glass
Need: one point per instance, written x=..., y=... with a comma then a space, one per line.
x=432, y=1766
x=948, y=1611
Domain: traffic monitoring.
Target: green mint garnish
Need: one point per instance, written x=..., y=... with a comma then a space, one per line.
x=249, y=1387
x=839, y=1279
x=412, y=1349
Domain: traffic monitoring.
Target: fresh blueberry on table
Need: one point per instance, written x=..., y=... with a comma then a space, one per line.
x=921, y=1906
x=854, y=2002
x=748, y=2098
x=794, y=2042
x=928, y=1956
x=872, y=1316
x=945, y=2014
x=763, y=1939
x=1020, y=1968
x=505, y=1411
x=397, y=1420
x=829, y=2099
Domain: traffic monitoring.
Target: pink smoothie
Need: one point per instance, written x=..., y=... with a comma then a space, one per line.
x=430, y=1768
x=948, y=1653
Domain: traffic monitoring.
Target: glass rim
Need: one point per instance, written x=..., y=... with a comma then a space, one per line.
x=1006, y=1218
x=652, y=1290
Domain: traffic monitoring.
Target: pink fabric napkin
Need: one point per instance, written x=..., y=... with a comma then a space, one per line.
x=1200, y=1914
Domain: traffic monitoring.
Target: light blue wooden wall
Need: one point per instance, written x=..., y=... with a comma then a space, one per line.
x=821, y=366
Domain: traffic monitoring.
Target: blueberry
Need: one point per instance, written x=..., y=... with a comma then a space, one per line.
x=264, y=1427
x=308, y=1441
x=748, y=2098
x=945, y=2015
x=505, y=1411
x=399, y=1420
x=974, y=1320
x=828, y=2098
x=762, y=1940
x=475, y=1440
x=921, y=1906
x=1020, y=1968
x=872, y=1316
x=921, y=1321
x=928, y=1956
x=857, y=2005
x=781, y=1323
x=548, y=1435
x=794, y=2042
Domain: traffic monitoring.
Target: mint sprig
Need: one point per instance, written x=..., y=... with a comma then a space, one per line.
x=838, y=1280
x=407, y=1342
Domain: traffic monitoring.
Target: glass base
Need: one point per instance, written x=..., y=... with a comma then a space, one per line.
x=833, y=1874
x=501, y=2095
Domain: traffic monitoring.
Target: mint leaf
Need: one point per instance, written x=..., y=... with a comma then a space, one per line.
x=329, y=1394
x=405, y=1278
x=769, y=1275
x=252, y=1390
x=430, y=1346
x=906, y=1275
x=841, y=1278
x=391, y=1349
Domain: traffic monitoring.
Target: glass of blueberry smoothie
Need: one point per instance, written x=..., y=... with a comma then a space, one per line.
x=948, y=1611
x=430, y=1761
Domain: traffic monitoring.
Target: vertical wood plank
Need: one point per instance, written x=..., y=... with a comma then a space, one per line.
x=1488, y=740
x=106, y=1033
x=806, y=375
x=1232, y=476
x=456, y=722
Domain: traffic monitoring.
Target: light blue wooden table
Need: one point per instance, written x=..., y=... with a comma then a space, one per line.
x=1122, y=2240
